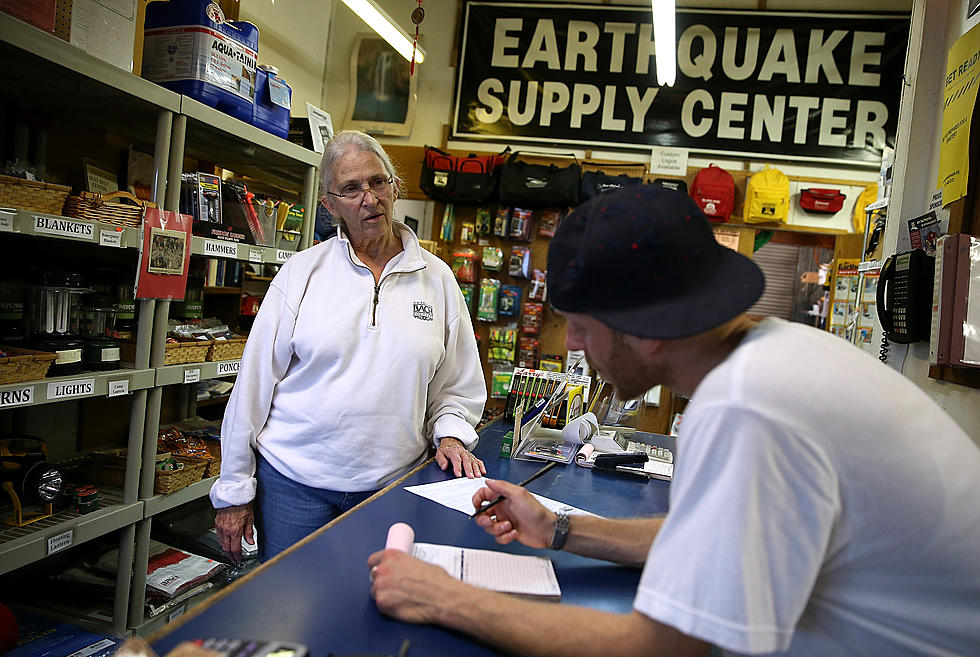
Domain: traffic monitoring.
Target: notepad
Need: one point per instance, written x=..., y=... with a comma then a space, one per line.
x=517, y=574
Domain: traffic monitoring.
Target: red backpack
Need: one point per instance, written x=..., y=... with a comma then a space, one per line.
x=713, y=190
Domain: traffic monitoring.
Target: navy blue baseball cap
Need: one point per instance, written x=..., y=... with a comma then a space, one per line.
x=644, y=260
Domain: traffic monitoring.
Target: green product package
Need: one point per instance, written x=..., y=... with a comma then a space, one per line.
x=489, y=289
x=506, y=445
x=500, y=383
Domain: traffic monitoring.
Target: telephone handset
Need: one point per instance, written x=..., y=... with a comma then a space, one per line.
x=904, y=296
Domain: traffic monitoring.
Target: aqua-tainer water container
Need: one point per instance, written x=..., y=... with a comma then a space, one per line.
x=189, y=48
x=273, y=99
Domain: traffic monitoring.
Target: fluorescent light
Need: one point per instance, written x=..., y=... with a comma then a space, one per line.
x=381, y=23
x=665, y=41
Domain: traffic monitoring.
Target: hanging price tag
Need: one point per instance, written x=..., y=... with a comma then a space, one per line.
x=7, y=220
x=279, y=91
x=110, y=238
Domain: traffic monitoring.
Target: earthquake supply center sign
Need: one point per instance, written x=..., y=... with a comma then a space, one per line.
x=806, y=86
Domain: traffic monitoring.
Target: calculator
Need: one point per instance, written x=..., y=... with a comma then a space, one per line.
x=248, y=648
x=653, y=452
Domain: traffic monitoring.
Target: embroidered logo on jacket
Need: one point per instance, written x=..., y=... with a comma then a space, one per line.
x=422, y=310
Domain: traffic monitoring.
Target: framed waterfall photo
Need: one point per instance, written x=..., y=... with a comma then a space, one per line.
x=383, y=102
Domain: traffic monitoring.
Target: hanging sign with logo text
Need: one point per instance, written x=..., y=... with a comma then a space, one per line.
x=774, y=84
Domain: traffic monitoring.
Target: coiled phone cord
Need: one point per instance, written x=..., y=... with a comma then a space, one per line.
x=883, y=352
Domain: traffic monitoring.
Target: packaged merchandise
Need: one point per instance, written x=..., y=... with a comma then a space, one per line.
x=520, y=261
x=551, y=363
x=520, y=224
x=500, y=382
x=484, y=222
x=502, y=344
x=469, y=295
x=489, y=290
x=448, y=229
x=501, y=221
x=464, y=261
x=527, y=355
x=531, y=318
x=493, y=258
x=539, y=289
x=550, y=218
x=467, y=232
x=510, y=301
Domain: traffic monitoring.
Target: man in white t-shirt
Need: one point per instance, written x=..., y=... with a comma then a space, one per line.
x=821, y=503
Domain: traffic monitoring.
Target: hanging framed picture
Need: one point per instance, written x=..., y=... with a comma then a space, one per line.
x=383, y=102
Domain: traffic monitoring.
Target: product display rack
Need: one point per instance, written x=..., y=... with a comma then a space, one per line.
x=43, y=72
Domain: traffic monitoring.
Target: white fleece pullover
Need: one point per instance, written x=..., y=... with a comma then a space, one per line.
x=342, y=383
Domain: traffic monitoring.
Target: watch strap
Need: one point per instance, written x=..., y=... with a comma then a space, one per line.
x=562, y=525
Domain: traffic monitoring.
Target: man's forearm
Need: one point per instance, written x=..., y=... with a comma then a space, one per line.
x=624, y=541
x=544, y=629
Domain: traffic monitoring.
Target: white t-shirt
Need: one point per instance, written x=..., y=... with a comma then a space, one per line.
x=821, y=505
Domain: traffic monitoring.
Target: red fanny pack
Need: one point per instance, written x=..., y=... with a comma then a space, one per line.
x=824, y=201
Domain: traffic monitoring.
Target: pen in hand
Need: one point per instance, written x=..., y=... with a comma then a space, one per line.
x=524, y=483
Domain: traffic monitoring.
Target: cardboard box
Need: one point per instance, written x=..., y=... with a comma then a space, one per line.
x=103, y=28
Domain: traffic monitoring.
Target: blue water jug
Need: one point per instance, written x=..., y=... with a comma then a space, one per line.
x=273, y=98
x=189, y=48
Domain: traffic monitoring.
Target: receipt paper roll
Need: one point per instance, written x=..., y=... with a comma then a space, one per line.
x=400, y=537
x=581, y=430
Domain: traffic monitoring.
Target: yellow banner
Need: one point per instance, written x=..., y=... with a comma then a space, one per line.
x=959, y=96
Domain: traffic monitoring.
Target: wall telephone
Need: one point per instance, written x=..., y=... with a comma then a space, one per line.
x=904, y=296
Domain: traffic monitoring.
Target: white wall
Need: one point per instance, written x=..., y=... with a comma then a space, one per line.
x=936, y=26
x=293, y=37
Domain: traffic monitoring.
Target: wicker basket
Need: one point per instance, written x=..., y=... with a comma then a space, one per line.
x=97, y=207
x=107, y=467
x=213, y=467
x=176, y=353
x=230, y=349
x=168, y=481
x=24, y=365
x=32, y=195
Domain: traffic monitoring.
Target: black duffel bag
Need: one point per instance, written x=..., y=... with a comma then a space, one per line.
x=460, y=179
x=526, y=185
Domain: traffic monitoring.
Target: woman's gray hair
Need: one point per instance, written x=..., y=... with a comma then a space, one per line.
x=344, y=141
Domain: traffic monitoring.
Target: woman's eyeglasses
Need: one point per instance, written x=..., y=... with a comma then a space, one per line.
x=352, y=193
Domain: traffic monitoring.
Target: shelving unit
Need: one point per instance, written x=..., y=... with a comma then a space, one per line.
x=45, y=73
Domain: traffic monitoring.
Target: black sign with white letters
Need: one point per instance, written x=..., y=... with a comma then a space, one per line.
x=800, y=85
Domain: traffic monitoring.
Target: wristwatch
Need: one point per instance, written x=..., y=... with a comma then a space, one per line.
x=562, y=525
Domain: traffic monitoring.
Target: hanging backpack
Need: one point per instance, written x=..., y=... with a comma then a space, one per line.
x=766, y=197
x=713, y=189
x=869, y=195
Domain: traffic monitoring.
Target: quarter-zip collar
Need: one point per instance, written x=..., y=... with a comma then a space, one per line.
x=408, y=261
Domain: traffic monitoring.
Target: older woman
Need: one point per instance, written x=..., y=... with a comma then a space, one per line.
x=362, y=355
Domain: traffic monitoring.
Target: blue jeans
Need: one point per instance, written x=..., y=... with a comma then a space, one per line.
x=287, y=511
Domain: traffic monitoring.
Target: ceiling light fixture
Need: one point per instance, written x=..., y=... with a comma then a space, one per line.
x=665, y=40
x=381, y=23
